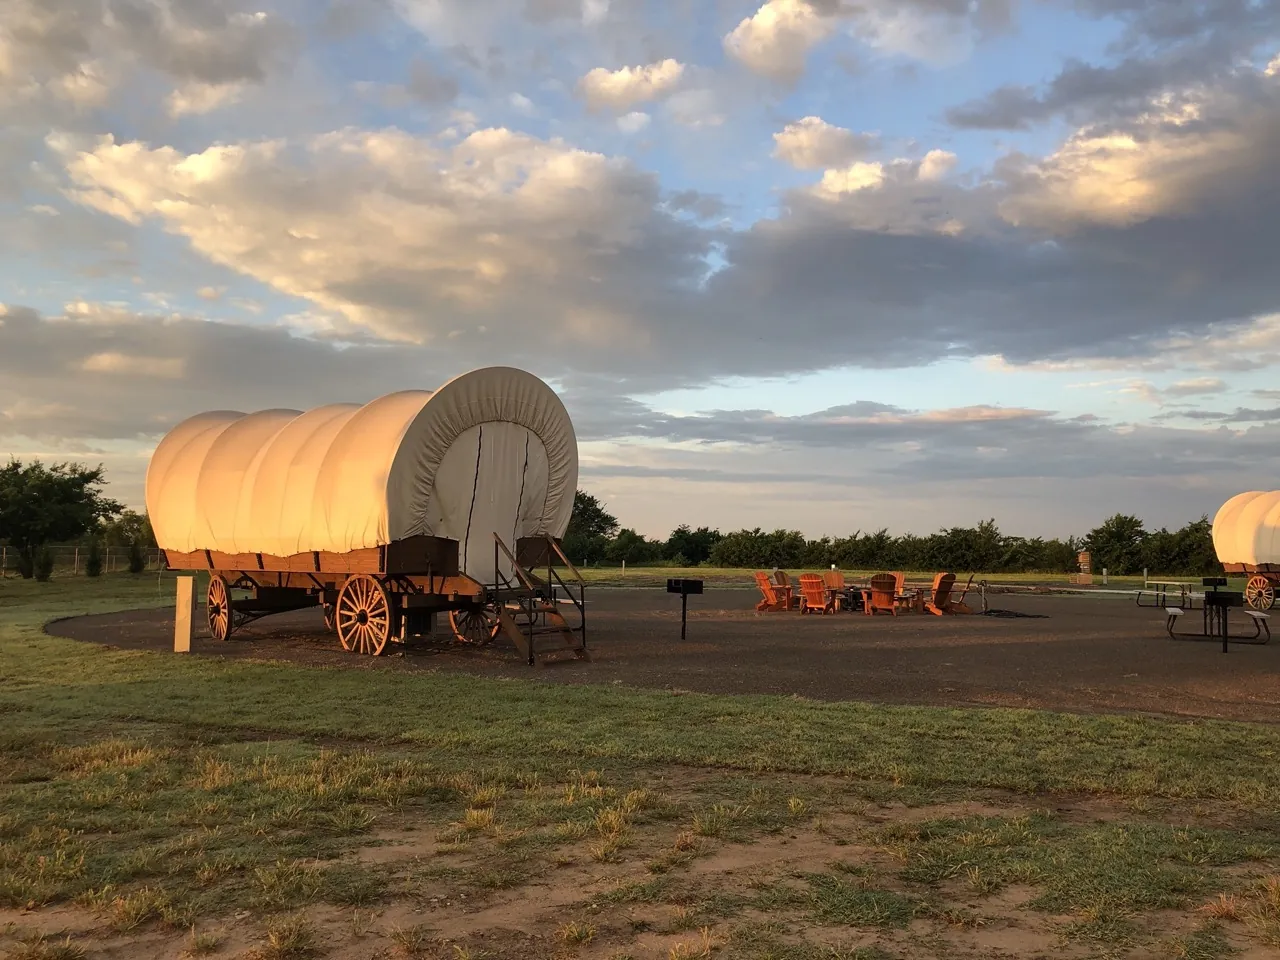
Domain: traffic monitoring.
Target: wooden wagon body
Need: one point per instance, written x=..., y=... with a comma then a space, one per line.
x=1246, y=539
x=371, y=493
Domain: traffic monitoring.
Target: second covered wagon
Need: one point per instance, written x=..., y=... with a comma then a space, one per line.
x=386, y=513
x=1246, y=538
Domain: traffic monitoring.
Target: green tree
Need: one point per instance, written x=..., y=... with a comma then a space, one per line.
x=93, y=560
x=1117, y=545
x=45, y=504
x=591, y=527
x=137, y=558
x=631, y=547
x=43, y=566
x=693, y=545
x=130, y=527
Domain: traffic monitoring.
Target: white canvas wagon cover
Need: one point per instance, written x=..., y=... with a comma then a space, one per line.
x=491, y=451
x=1246, y=529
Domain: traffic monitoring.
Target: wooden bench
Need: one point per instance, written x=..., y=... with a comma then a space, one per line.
x=1260, y=626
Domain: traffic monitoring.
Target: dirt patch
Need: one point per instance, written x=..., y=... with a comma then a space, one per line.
x=1088, y=654
x=728, y=899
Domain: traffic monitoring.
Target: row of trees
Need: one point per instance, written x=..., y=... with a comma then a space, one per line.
x=64, y=503
x=1122, y=545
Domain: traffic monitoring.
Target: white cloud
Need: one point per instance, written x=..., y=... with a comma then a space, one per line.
x=211, y=293
x=775, y=41
x=161, y=368
x=522, y=104
x=1196, y=387
x=813, y=144
x=937, y=164
x=851, y=179
x=201, y=98
x=633, y=122
x=382, y=225
x=624, y=88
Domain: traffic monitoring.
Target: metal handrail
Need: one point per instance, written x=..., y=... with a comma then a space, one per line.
x=515, y=565
x=565, y=560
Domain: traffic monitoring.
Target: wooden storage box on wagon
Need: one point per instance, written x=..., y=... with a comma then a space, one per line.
x=1246, y=538
x=418, y=503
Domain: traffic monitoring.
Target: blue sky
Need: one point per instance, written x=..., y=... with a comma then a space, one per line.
x=984, y=251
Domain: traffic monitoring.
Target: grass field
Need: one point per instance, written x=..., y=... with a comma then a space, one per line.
x=169, y=805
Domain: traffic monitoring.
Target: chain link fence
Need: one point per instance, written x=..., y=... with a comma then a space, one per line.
x=70, y=561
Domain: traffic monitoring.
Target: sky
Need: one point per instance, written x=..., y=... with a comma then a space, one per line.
x=814, y=264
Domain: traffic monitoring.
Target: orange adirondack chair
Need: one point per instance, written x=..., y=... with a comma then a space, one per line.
x=837, y=590
x=814, y=595
x=881, y=595
x=940, y=602
x=774, y=597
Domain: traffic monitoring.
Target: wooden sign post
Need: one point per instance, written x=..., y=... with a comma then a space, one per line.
x=184, y=614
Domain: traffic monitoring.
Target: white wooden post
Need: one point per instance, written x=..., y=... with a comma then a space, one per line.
x=624, y=568
x=1104, y=576
x=184, y=614
x=75, y=563
x=4, y=560
x=1144, y=577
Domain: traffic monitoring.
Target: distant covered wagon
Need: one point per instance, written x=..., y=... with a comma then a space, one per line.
x=1246, y=538
x=417, y=503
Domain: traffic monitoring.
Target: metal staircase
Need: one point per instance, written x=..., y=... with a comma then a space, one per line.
x=542, y=617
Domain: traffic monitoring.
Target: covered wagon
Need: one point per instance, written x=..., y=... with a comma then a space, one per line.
x=1246, y=538
x=386, y=514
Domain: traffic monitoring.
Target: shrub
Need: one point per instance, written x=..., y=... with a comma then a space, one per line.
x=137, y=559
x=44, y=565
x=93, y=561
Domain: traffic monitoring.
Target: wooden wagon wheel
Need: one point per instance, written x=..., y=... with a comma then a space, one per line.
x=363, y=615
x=474, y=625
x=1260, y=593
x=217, y=608
x=328, y=616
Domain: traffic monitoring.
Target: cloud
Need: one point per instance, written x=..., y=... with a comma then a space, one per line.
x=201, y=98
x=164, y=368
x=1166, y=45
x=77, y=51
x=633, y=122
x=622, y=89
x=698, y=108
x=813, y=144
x=936, y=164
x=1199, y=386
x=1111, y=249
x=776, y=39
x=430, y=86
x=851, y=179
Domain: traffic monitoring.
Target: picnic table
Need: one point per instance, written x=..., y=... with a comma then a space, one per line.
x=1217, y=604
x=1160, y=589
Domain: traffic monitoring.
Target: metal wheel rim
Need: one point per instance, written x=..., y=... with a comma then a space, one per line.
x=363, y=616
x=218, y=609
x=1260, y=593
x=473, y=626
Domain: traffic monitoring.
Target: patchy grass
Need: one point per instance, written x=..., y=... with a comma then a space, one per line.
x=164, y=795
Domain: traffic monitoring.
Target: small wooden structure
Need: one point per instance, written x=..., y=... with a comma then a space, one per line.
x=385, y=514
x=1246, y=539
